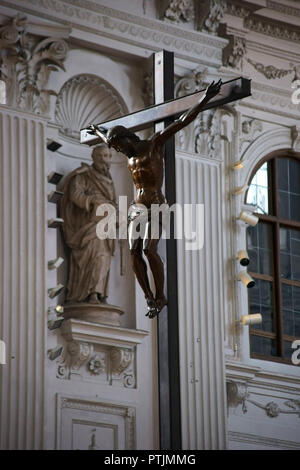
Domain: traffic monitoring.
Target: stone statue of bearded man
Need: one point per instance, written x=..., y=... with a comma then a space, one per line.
x=85, y=189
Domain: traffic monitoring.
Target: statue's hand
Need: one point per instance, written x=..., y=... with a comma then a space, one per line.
x=213, y=89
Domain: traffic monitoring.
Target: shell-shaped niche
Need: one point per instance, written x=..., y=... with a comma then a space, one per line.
x=84, y=100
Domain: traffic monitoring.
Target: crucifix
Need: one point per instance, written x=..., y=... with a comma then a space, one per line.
x=151, y=162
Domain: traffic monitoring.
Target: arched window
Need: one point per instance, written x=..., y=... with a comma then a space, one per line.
x=274, y=252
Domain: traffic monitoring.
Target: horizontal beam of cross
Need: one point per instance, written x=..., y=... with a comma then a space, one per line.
x=230, y=91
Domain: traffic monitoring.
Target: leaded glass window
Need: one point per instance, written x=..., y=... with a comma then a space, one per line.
x=274, y=250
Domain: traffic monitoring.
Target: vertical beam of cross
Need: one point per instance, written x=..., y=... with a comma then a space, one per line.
x=168, y=335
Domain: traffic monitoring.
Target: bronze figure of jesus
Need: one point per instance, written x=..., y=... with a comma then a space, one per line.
x=146, y=164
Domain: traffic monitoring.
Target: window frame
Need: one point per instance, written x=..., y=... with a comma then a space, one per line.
x=276, y=222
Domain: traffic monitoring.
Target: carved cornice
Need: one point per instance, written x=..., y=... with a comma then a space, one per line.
x=274, y=28
x=272, y=100
x=127, y=28
x=285, y=9
x=240, y=9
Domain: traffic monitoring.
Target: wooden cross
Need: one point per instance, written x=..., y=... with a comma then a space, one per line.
x=165, y=109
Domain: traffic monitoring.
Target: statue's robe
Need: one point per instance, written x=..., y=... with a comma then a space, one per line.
x=90, y=256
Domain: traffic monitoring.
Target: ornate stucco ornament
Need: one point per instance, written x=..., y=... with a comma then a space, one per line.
x=26, y=62
x=211, y=14
x=179, y=10
x=269, y=71
x=236, y=51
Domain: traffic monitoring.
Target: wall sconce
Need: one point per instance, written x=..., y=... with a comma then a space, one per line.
x=55, y=263
x=55, y=222
x=243, y=257
x=252, y=319
x=54, y=291
x=55, y=196
x=240, y=190
x=54, y=177
x=248, y=218
x=55, y=323
x=59, y=309
x=238, y=165
x=52, y=145
x=246, y=279
x=53, y=320
x=55, y=352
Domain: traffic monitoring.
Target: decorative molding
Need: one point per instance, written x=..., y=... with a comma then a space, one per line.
x=272, y=100
x=273, y=410
x=79, y=353
x=259, y=441
x=295, y=135
x=210, y=14
x=105, y=353
x=207, y=134
x=95, y=333
x=111, y=365
x=261, y=379
x=269, y=71
x=85, y=99
x=179, y=10
x=273, y=28
x=127, y=28
x=97, y=364
x=285, y=9
x=249, y=128
x=147, y=90
x=120, y=359
x=195, y=81
x=92, y=413
x=234, y=52
x=237, y=9
x=25, y=65
x=238, y=393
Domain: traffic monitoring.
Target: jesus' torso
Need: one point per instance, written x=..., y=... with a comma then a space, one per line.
x=147, y=171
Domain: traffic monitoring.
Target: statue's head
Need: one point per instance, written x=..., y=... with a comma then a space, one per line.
x=101, y=155
x=121, y=139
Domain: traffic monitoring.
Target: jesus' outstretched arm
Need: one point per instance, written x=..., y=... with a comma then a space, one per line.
x=187, y=117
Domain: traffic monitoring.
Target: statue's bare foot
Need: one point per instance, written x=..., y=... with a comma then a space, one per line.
x=102, y=299
x=93, y=299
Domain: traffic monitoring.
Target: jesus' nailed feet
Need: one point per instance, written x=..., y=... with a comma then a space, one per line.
x=155, y=306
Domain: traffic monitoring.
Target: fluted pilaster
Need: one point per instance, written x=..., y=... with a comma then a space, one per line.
x=23, y=276
x=201, y=310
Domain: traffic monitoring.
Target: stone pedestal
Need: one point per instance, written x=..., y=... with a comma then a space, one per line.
x=94, y=313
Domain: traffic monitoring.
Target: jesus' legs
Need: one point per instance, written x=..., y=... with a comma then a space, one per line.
x=157, y=269
x=140, y=269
